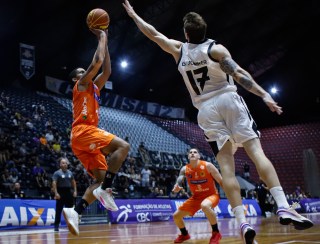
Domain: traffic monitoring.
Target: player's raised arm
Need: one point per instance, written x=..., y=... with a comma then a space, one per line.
x=97, y=60
x=103, y=77
x=168, y=45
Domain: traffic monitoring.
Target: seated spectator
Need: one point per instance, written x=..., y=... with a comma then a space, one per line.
x=29, y=125
x=35, y=108
x=298, y=191
x=42, y=109
x=161, y=194
x=5, y=179
x=36, y=116
x=17, y=192
x=154, y=192
x=12, y=167
x=37, y=169
x=18, y=116
x=13, y=177
x=4, y=147
x=135, y=176
x=56, y=146
x=15, y=122
x=49, y=136
x=48, y=124
x=23, y=149
x=145, y=177
x=43, y=140
x=40, y=182
x=131, y=191
x=36, y=139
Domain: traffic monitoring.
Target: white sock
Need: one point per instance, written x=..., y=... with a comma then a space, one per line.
x=239, y=214
x=279, y=197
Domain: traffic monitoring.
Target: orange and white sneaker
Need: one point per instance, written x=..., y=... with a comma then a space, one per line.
x=215, y=238
x=290, y=216
x=182, y=238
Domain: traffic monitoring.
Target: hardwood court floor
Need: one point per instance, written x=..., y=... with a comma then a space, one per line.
x=269, y=231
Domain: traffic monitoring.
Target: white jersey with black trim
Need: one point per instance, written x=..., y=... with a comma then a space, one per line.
x=201, y=73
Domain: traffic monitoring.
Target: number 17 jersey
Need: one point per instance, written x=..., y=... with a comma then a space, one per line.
x=201, y=73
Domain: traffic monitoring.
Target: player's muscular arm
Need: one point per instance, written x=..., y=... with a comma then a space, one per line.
x=230, y=67
x=180, y=180
x=215, y=173
x=181, y=176
x=178, y=186
x=97, y=59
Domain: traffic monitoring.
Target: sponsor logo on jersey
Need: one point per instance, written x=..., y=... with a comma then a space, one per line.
x=196, y=182
x=190, y=62
x=84, y=111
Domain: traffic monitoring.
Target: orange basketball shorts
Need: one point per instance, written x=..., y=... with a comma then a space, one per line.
x=192, y=205
x=86, y=142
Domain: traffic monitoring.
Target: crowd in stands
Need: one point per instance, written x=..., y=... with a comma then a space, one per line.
x=31, y=143
x=29, y=154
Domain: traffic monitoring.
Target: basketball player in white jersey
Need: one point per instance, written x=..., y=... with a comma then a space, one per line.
x=209, y=73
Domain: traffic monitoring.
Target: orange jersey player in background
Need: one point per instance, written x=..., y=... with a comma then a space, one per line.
x=90, y=144
x=201, y=177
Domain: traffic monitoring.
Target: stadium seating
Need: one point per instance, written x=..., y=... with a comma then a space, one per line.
x=284, y=145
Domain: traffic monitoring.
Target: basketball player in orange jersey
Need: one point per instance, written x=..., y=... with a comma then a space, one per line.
x=210, y=75
x=201, y=177
x=90, y=144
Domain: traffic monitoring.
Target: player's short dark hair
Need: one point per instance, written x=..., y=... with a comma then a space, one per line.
x=73, y=74
x=195, y=26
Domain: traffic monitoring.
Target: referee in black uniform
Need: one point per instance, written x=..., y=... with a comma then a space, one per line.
x=65, y=189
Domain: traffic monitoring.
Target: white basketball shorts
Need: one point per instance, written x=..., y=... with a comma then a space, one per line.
x=226, y=117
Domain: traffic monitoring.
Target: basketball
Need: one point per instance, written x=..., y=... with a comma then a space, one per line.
x=98, y=19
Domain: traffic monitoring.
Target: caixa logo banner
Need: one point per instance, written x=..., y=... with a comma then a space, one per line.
x=18, y=213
